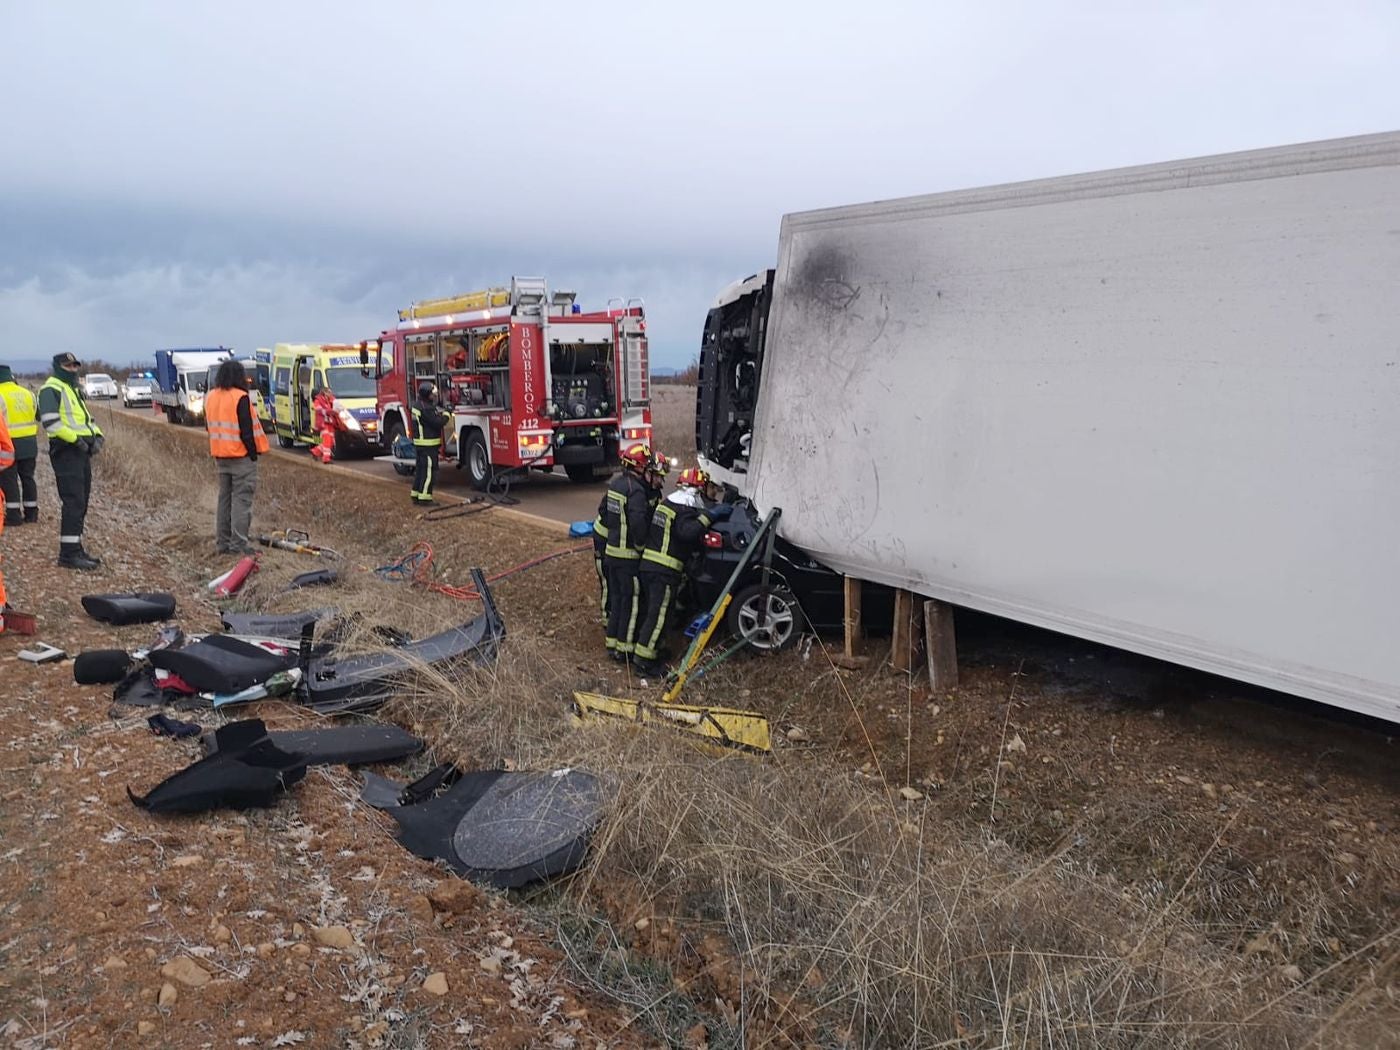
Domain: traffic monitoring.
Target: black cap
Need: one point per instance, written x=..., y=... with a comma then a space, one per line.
x=66, y=360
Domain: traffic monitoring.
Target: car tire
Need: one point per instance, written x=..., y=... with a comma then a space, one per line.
x=477, y=459
x=776, y=606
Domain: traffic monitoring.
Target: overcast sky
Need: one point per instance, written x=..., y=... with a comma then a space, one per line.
x=192, y=173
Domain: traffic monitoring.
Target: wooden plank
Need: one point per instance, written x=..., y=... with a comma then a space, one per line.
x=941, y=640
x=852, y=654
x=907, y=644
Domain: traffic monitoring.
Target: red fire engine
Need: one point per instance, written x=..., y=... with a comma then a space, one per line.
x=531, y=381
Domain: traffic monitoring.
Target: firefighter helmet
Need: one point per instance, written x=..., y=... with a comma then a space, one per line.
x=660, y=465
x=427, y=391
x=695, y=478
x=637, y=457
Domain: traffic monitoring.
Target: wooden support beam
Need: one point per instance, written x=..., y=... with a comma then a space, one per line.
x=906, y=647
x=941, y=640
x=852, y=655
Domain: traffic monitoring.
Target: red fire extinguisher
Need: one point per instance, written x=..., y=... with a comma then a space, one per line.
x=230, y=584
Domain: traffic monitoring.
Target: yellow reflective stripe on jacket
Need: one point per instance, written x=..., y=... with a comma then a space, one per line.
x=618, y=547
x=73, y=421
x=17, y=406
x=418, y=429
x=663, y=556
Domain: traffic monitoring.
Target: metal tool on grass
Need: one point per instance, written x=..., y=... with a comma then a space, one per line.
x=296, y=541
x=744, y=730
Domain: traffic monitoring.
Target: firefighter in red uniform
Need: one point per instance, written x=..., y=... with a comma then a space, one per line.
x=326, y=422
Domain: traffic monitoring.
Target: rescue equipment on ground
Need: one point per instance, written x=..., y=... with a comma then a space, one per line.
x=296, y=541
x=726, y=726
x=233, y=582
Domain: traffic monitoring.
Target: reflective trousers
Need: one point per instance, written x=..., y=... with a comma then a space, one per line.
x=424, y=472
x=72, y=471
x=21, y=493
x=657, y=594
x=622, y=602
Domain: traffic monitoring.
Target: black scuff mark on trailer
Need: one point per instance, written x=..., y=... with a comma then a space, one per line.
x=821, y=277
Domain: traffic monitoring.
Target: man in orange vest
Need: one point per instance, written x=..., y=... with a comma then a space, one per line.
x=7, y=460
x=236, y=439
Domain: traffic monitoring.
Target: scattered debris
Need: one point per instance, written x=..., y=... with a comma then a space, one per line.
x=124, y=609
x=505, y=829
x=247, y=770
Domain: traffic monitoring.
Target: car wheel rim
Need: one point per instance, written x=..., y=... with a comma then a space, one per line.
x=777, y=623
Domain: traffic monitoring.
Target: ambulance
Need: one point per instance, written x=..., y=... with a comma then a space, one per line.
x=297, y=370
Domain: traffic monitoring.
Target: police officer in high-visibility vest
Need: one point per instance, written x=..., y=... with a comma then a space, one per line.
x=7, y=461
x=677, y=526
x=624, y=516
x=428, y=424
x=17, y=482
x=74, y=438
x=236, y=439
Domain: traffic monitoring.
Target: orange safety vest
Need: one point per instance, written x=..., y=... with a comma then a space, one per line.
x=221, y=416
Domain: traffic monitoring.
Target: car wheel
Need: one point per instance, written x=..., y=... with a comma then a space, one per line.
x=283, y=441
x=767, y=618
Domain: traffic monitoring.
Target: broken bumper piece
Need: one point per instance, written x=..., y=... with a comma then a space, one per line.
x=356, y=683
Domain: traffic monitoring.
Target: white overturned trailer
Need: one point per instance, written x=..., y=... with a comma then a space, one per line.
x=1157, y=407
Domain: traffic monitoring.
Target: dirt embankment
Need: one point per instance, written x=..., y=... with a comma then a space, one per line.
x=1085, y=846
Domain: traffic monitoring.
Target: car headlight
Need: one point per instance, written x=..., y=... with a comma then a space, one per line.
x=351, y=423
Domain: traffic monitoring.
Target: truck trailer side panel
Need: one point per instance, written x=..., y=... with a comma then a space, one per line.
x=1156, y=407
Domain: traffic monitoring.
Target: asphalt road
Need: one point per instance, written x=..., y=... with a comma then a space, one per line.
x=555, y=498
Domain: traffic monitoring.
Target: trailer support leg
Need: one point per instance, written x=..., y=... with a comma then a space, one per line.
x=906, y=646
x=852, y=655
x=941, y=642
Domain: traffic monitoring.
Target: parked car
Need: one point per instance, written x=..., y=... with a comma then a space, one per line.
x=136, y=391
x=99, y=384
x=801, y=594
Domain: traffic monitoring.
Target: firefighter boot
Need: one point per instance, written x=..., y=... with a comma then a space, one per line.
x=72, y=556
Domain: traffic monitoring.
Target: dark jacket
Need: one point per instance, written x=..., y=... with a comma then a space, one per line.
x=624, y=514
x=674, y=536
x=428, y=421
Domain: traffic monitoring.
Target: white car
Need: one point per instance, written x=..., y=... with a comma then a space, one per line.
x=99, y=384
x=136, y=391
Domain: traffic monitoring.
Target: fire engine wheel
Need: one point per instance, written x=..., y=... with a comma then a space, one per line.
x=477, y=461
x=765, y=617
x=583, y=473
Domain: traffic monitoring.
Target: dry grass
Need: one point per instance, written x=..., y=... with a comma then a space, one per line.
x=673, y=421
x=851, y=917
x=856, y=919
